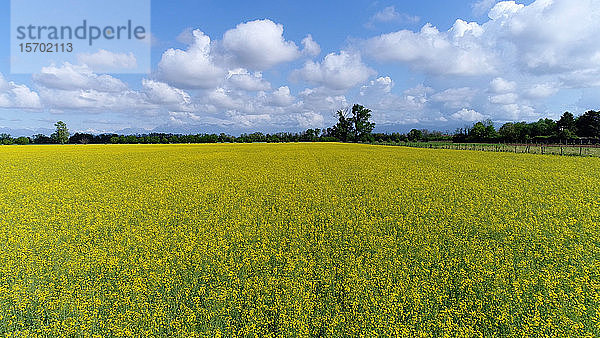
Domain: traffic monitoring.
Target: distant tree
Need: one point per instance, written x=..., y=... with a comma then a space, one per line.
x=273, y=138
x=104, y=138
x=460, y=135
x=22, y=140
x=432, y=136
x=353, y=125
x=543, y=128
x=482, y=132
x=415, y=135
x=588, y=124
x=42, y=139
x=567, y=123
x=310, y=135
x=362, y=126
x=81, y=138
x=490, y=130
x=515, y=132
x=477, y=132
x=508, y=132
x=61, y=135
x=6, y=139
x=131, y=139
x=523, y=131
x=343, y=129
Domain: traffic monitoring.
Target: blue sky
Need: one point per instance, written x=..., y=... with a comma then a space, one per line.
x=271, y=66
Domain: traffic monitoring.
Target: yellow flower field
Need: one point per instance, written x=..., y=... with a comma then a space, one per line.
x=297, y=240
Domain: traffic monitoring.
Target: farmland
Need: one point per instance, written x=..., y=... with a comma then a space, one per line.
x=297, y=239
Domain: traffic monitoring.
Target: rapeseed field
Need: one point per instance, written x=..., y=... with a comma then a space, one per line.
x=297, y=240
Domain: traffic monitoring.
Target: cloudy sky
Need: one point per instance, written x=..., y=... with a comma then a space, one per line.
x=289, y=65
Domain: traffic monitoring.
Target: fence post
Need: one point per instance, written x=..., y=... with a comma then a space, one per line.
x=561, y=150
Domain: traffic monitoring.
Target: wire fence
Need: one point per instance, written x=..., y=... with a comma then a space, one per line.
x=540, y=149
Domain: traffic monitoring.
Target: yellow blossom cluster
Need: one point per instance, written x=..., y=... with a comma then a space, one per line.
x=296, y=240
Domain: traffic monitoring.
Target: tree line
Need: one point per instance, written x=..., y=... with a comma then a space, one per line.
x=567, y=128
x=354, y=125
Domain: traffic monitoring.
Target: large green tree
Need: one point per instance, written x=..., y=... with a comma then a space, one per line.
x=61, y=135
x=5, y=139
x=482, y=132
x=588, y=124
x=566, y=127
x=363, y=127
x=343, y=129
x=509, y=132
x=415, y=135
x=353, y=125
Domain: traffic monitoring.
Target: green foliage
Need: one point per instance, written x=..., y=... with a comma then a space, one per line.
x=61, y=135
x=547, y=130
x=508, y=132
x=588, y=124
x=415, y=135
x=483, y=131
x=42, y=139
x=543, y=127
x=354, y=125
x=362, y=126
x=22, y=141
x=343, y=129
x=5, y=139
x=566, y=126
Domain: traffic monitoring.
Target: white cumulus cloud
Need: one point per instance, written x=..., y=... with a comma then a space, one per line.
x=483, y=6
x=281, y=97
x=504, y=10
x=541, y=91
x=455, y=97
x=13, y=95
x=240, y=78
x=455, y=52
x=337, y=71
x=468, y=115
x=259, y=45
x=500, y=85
x=105, y=61
x=77, y=77
x=192, y=68
x=389, y=15
x=382, y=85
x=311, y=47
x=163, y=94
